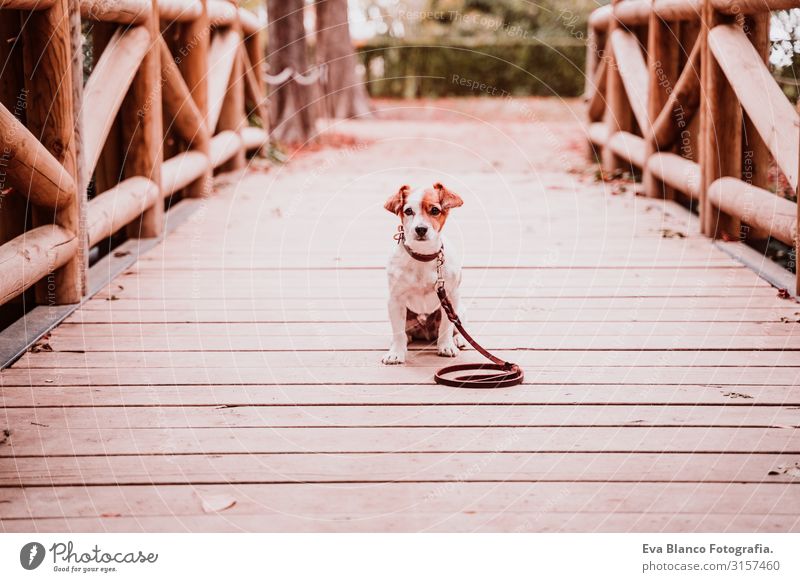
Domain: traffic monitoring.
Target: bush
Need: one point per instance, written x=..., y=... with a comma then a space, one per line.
x=419, y=69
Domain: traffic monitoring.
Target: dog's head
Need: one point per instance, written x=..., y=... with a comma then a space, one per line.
x=423, y=213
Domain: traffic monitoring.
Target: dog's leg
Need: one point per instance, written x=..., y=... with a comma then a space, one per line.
x=446, y=345
x=397, y=317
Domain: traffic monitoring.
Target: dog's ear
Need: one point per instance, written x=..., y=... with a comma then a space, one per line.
x=395, y=203
x=447, y=198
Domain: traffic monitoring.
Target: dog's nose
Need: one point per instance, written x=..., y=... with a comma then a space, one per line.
x=421, y=230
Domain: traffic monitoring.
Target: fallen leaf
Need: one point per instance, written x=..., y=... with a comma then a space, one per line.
x=121, y=253
x=784, y=294
x=217, y=503
x=736, y=395
x=790, y=469
x=669, y=233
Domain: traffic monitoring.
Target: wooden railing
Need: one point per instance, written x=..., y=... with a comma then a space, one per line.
x=184, y=96
x=680, y=90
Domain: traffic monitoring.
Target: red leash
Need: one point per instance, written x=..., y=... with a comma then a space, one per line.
x=505, y=373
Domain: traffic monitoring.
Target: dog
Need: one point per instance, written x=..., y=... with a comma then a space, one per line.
x=414, y=308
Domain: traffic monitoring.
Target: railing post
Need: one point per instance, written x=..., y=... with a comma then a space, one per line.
x=619, y=116
x=194, y=38
x=51, y=118
x=721, y=143
x=13, y=205
x=755, y=153
x=232, y=115
x=142, y=133
x=662, y=64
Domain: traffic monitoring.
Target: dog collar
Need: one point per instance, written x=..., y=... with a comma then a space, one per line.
x=423, y=257
x=400, y=237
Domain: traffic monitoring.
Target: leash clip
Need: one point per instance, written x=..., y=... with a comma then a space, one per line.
x=439, y=285
x=400, y=235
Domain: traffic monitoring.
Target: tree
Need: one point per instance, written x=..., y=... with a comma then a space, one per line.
x=344, y=91
x=293, y=113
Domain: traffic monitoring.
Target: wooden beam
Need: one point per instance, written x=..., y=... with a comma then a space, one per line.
x=738, y=7
x=619, y=116
x=13, y=206
x=25, y=5
x=772, y=115
x=629, y=147
x=107, y=86
x=30, y=168
x=142, y=133
x=600, y=18
x=676, y=172
x=224, y=146
x=118, y=11
x=51, y=118
x=221, y=13
x=221, y=58
x=33, y=255
x=633, y=71
x=662, y=64
x=183, y=169
x=232, y=115
x=179, y=10
x=676, y=10
x=193, y=64
x=757, y=207
x=680, y=107
x=114, y=209
x=597, y=98
x=251, y=25
x=721, y=131
x=633, y=12
x=254, y=138
x=179, y=107
x=254, y=91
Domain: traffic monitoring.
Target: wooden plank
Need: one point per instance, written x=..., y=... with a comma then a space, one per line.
x=530, y=330
x=681, y=104
x=202, y=417
x=346, y=501
x=474, y=521
x=244, y=342
x=42, y=441
x=111, y=312
x=414, y=373
x=315, y=359
x=395, y=468
x=394, y=394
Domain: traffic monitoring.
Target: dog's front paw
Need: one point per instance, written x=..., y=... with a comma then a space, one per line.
x=394, y=357
x=448, y=350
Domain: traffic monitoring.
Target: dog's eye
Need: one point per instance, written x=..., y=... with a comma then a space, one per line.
x=409, y=212
x=434, y=211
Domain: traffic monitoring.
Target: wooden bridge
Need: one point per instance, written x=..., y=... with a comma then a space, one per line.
x=222, y=370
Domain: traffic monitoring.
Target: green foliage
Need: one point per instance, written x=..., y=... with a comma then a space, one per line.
x=469, y=69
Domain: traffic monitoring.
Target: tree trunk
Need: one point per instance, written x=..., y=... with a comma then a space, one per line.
x=344, y=90
x=292, y=109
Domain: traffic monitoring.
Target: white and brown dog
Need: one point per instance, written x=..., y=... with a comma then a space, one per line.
x=414, y=309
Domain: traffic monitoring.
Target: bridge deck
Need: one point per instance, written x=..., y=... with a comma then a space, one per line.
x=231, y=380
